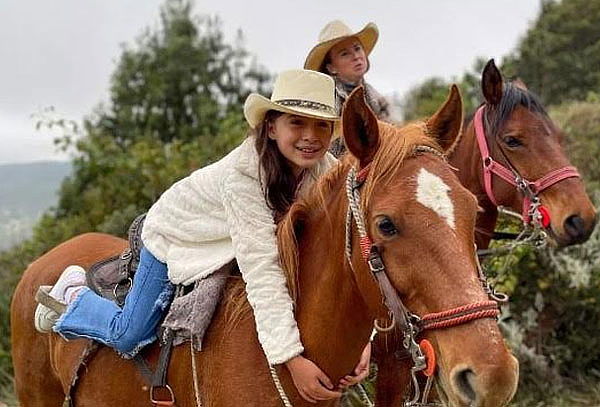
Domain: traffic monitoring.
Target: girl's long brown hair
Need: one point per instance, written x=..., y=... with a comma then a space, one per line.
x=275, y=173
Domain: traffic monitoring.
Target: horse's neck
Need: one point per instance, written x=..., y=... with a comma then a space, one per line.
x=467, y=158
x=334, y=320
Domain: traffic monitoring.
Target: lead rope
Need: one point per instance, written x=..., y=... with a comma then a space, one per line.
x=364, y=397
x=353, y=198
x=195, y=374
x=284, y=398
x=532, y=235
x=354, y=210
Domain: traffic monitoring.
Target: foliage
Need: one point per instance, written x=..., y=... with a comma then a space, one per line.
x=554, y=313
x=559, y=56
x=580, y=122
x=424, y=99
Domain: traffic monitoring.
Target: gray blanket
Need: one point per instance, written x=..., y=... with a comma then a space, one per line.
x=190, y=314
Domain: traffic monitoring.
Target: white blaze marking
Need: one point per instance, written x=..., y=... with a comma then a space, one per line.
x=432, y=192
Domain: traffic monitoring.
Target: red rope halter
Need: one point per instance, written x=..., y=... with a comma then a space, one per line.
x=459, y=315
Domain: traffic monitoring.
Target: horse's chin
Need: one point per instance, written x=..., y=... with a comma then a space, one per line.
x=557, y=240
x=442, y=394
x=444, y=399
x=447, y=400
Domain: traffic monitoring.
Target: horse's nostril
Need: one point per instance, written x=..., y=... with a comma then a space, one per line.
x=464, y=380
x=575, y=227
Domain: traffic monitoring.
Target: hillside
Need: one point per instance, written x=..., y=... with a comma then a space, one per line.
x=26, y=191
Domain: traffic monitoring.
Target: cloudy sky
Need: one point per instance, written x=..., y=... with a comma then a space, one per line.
x=61, y=53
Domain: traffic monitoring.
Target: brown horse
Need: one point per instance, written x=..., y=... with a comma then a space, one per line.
x=521, y=136
x=417, y=214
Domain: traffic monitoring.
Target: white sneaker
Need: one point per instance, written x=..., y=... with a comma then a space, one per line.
x=45, y=318
x=51, y=299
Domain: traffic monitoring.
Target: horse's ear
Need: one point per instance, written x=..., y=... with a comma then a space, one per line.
x=361, y=132
x=491, y=83
x=445, y=125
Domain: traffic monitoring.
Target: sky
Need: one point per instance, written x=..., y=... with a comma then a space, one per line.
x=61, y=53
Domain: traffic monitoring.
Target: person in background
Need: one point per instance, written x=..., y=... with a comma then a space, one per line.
x=344, y=55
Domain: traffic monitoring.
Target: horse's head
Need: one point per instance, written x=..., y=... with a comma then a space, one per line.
x=421, y=220
x=522, y=139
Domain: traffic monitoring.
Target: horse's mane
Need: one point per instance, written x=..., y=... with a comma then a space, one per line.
x=512, y=97
x=396, y=144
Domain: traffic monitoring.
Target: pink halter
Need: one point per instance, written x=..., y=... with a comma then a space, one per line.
x=529, y=189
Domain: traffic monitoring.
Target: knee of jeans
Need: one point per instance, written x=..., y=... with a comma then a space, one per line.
x=130, y=340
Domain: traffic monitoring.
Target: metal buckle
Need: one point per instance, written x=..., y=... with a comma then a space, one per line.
x=375, y=263
x=521, y=183
x=162, y=403
x=388, y=328
x=127, y=254
x=129, y=283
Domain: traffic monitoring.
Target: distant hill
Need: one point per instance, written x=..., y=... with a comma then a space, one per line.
x=26, y=191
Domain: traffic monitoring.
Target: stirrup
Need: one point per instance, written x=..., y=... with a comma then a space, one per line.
x=43, y=297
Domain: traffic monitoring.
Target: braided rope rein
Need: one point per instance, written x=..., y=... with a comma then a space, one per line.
x=284, y=398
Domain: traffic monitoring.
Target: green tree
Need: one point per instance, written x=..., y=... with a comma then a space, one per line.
x=175, y=105
x=580, y=122
x=424, y=99
x=559, y=56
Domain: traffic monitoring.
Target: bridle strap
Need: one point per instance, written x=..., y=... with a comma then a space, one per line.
x=490, y=166
x=390, y=297
x=553, y=177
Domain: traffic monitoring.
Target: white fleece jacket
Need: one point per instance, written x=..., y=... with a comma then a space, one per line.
x=219, y=213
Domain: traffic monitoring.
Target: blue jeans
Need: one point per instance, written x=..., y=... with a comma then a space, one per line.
x=126, y=329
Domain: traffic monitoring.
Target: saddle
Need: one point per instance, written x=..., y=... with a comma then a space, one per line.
x=111, y=278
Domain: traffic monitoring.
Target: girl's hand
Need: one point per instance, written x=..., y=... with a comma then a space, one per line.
x=312, y=384
x=361, y=371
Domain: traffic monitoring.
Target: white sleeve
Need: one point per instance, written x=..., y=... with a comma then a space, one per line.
x=252, y=231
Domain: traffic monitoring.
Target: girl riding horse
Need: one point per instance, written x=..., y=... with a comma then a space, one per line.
x=223, y=211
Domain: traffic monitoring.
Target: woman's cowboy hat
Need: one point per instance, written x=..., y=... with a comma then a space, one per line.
x=335, y=32
x=298, y=91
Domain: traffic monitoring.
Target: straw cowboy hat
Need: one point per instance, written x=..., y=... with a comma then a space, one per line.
x=335, y=32
x=297, y=91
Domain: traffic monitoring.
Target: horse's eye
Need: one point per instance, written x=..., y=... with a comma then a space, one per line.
x=512, y=141
x=387, y=227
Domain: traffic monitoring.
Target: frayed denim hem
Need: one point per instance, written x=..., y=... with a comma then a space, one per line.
x=70, y=307
x=131, y=354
